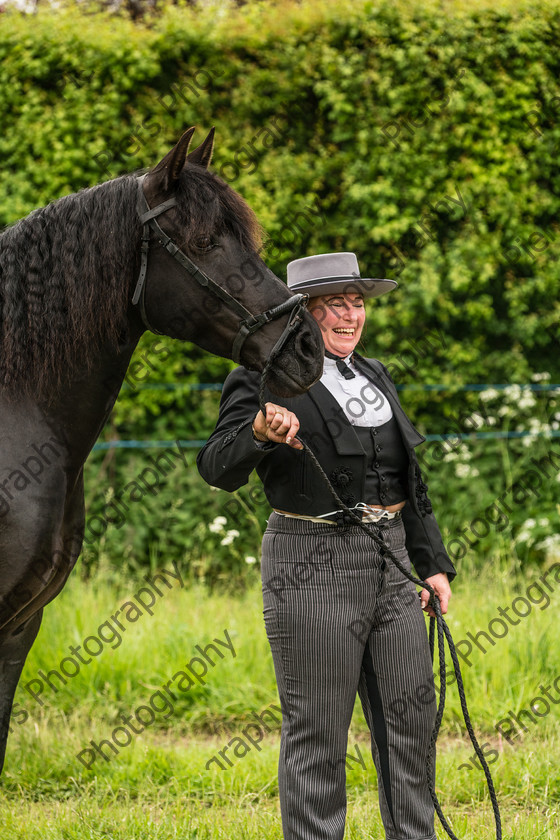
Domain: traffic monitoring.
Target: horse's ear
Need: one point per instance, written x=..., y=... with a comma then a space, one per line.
x=170, y=167
x=202, y=155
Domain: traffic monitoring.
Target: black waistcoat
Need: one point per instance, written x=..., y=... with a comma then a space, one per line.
x=387, y=463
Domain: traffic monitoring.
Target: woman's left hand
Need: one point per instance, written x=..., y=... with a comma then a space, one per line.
x=440, y=585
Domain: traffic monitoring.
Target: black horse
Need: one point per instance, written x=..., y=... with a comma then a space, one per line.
x=80, y=281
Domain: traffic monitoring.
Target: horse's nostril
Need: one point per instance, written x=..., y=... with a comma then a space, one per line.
x=306, y=345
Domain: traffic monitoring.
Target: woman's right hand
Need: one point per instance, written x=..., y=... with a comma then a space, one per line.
x=278, y=425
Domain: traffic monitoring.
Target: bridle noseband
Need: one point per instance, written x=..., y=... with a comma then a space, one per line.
x=249, y=323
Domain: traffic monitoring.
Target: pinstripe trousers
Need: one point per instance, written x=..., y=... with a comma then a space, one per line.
x=341, y=620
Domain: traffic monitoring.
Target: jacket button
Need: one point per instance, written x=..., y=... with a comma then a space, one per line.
x=378, y=448
x=382, y=478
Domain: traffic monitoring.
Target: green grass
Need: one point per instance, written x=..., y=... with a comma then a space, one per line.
x=159, y=786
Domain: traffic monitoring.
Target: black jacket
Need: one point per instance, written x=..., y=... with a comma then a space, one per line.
x=290, y=479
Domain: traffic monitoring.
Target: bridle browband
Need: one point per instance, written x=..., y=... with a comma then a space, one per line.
x=249, y=323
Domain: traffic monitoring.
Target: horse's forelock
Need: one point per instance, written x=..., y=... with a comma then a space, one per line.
x=208, y=205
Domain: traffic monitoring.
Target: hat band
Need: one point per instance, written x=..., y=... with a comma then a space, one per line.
x=330, y=279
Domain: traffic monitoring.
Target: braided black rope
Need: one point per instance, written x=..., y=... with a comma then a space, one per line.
x=443, y=632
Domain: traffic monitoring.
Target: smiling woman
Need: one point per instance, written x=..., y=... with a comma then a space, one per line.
x=348, y=622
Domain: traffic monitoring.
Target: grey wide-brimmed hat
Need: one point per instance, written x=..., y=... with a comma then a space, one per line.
x=325, y=274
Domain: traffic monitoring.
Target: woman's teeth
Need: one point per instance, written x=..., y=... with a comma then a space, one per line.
x=342, y=331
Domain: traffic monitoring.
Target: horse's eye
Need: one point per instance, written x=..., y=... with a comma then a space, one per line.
x=203, y=244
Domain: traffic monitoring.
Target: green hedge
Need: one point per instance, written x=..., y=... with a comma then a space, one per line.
x=423, y=138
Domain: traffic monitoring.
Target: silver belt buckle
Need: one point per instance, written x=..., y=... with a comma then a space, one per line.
x=372, y=514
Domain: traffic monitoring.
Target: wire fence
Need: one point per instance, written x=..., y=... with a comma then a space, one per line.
x=217, y=386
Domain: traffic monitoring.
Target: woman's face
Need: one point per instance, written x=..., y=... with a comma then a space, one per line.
x=341, y=318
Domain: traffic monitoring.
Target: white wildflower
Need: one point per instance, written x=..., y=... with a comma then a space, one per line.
x=489, y=394
x=250, y=560
x=465, y=471
x=527, y=400
x=513, y=392
x=538, y=377
x=229, y=537
x=543, y=521
x=550, y=544
x=217, y=525
x=465, y=452
x=476, y=419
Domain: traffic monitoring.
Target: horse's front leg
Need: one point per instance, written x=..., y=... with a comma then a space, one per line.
x=14, y=648
x=31, y=579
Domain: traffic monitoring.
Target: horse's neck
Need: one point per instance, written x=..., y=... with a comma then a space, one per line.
x=82, y=408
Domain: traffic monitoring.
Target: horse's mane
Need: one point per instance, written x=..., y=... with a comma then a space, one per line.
x=66, y=273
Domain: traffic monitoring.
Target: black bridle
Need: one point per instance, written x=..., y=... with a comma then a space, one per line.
x=249, y=323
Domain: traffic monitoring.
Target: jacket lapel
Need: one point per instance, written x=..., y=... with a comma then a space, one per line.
x=344, y=437
x=375, y=373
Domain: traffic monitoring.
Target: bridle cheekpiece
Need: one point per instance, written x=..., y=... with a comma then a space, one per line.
x=249, y=323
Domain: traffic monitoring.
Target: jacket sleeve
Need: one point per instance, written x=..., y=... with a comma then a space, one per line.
x=231, y=453
x=424, y=542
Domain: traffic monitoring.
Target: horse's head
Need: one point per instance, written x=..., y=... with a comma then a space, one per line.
x=203, y=278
